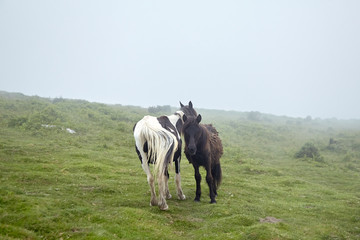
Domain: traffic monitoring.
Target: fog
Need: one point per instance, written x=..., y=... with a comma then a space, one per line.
x=293, y=58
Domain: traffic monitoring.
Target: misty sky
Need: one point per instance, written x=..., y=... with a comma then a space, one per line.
x=293, y=58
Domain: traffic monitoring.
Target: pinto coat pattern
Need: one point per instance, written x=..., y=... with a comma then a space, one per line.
x=203, y=147
x=158, y=141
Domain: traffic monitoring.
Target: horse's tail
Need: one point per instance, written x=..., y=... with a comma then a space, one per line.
x=161, y=145
x=217, y=174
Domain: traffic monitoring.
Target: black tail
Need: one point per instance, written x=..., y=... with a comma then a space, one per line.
x=217, y=174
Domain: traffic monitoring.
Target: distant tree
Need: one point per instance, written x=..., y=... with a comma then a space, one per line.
x=160, y=109
x=57, y=100
x=254, y=116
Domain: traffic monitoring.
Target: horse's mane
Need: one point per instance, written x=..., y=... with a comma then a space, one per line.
x=209, y=133
x=205, y=127
x=189, y=121
x=188, y=110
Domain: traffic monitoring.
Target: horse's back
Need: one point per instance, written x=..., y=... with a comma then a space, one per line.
x=215, y=142
x=211, y=129
x=146, y=120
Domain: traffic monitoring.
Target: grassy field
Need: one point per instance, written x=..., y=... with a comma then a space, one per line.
x=90, y=184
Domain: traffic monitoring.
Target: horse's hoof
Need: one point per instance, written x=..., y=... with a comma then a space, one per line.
x=164, y=207
x=153, y=203
x=182, y=197
x=196, y=200
x=168, y=196
x=213, y=201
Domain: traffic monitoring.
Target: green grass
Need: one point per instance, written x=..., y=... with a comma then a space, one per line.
x=90, y=185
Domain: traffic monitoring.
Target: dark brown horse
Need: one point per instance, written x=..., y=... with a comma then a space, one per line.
x=203, y=148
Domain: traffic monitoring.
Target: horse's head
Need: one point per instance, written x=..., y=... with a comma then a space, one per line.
x=192, y=133
x=188, y=110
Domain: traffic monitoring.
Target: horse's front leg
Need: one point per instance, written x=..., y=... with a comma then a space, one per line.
x=198, y=183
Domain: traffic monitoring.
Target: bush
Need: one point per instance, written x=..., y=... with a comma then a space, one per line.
x=17, y=122
x=309, y=150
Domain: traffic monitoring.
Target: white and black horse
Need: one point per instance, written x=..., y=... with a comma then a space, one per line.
x=158, y=141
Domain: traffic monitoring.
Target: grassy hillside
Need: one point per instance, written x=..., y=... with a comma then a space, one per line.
x=90, y=185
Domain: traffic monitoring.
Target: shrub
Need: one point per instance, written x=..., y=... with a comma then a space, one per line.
x=17, y=122
x=309, y=150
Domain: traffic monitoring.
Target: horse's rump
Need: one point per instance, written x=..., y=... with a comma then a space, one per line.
x=159, y=143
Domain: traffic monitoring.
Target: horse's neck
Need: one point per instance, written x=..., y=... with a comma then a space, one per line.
x=174, y=118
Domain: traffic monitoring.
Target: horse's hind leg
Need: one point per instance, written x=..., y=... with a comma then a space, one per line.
x=179, y=190
x=213, y=173
x=144, y=163
x=211, y=184
x=162, y=191
x=167, y=192
x=150, y=179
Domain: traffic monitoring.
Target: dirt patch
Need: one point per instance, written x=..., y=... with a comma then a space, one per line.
x=270, y=220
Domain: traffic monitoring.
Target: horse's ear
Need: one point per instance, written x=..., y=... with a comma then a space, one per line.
x=190, y=104
x=184, y=118
x=198, y=118
x=181, y=105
